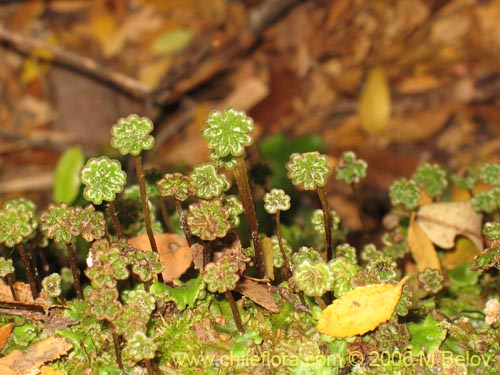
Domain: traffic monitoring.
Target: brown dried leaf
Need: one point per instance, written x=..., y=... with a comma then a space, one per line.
x=421, y=247
x=442, y=222
x=257, y=293
x=30, y=360
x=175, y=254
x=5, y=331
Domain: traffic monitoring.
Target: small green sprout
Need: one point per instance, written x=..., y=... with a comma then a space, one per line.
x=221, y=276
x=207, y=182
x=208, y=220
x=278, y=260
x=405, y=194
x=52, y=285
x=131, y=135
x=343, y=270
x=351, y=170
x=490, y=173
x=431, y=178
x=228, y=132
x=431, y=279
x=385, y=268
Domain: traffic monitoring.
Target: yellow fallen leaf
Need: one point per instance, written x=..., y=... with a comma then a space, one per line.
x=360, y=310
x=442, y=222
x=421, y=247
x=375, y=102
x=464, y=252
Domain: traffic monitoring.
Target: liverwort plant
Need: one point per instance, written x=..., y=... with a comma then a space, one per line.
x=103, y=179
x=6, y=273
x=18, y=226
x=179, y=187
x=131, y=135
x=351, y=170
x=309, y=171
x=227, y=134
x=275, y=202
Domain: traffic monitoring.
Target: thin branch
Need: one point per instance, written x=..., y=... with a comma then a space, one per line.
x=77, y=62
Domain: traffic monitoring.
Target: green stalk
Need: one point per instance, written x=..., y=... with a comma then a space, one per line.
x=328, y=224
x=29, y=273
x=241, y=176
x=287, y=273
x=145, y=206
x=74, y=270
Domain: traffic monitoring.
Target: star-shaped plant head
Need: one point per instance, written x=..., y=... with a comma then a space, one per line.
x=139, y=347
x=313, y=278
x=145, y=264
x=208, y=183
x=24, y=205
x=432, y=280
x=57, y=222
x=278, y=260
x=490, y=173
x=221, y=276
x=234, y=208
x=228, y=132
x=88, y=223
x=208, y=220
x=431, y=178
x=104, y=304
x=486, y=201
x=108, y=265
x=276, y=200
x=6, y=267
x=350, y=170
x=136, y=313
x=52, y=285
x=404, y=194
x=130, y=135
x=17, y=226
x=318, y=221
x=308, y=170
x=103, y=179
x=176, y=185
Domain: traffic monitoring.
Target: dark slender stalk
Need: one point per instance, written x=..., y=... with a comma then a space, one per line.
x=29, y=273
x=114, y=218
x=234, y=310
x=144, y=201
x=287, y=273
x=45, y=264
x=182, y=219
x=149, y=366
x=74, y=270
x=241, y=176
x=10, y=281
x=328, y=224
x=116, y=343
x=165, y=216
x=34, y=268
x=357, y=197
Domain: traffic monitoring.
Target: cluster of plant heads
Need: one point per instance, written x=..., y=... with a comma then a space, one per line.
x=120, y=316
